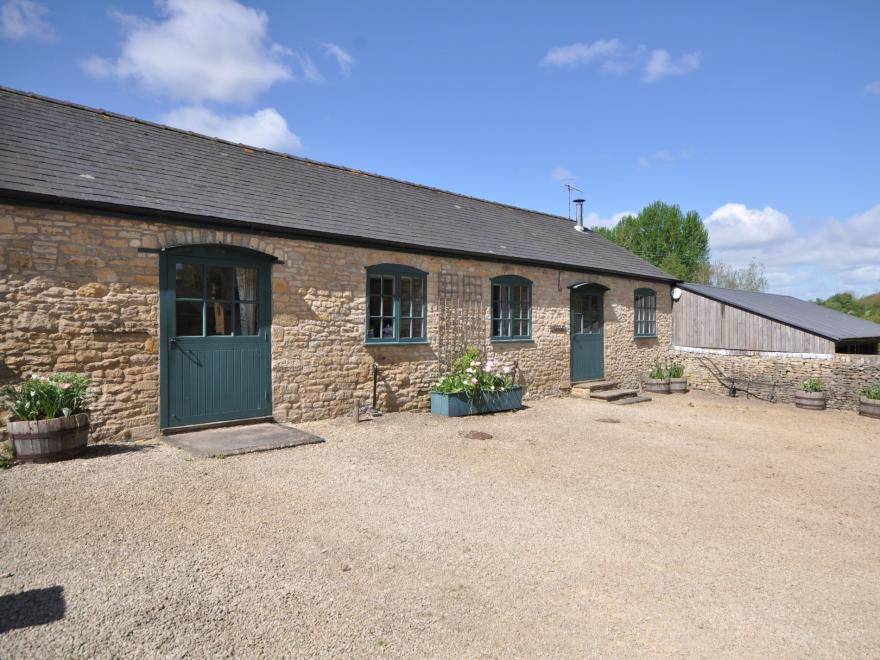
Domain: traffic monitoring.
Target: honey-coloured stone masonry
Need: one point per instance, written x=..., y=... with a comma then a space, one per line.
x=76, y=294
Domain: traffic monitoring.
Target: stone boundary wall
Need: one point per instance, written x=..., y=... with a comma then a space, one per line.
x=844, y=376
x=76, y=295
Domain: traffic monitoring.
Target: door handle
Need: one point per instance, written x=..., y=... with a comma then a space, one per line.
x=172, y=343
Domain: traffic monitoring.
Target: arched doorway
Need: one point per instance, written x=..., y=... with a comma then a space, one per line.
x=587, y=331
x=215, y=344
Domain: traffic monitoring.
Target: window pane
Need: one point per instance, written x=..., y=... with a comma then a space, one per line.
x=245, y=283
x=218, y=319
x=496, y=328
x=375, y=328
x=405, y=296
x=219, y=283
x=417, y=328
x=188, y=319
x=387, y=306
x=188, y=280
x=375, y=285
x=375, y=306
x=405, y=328
x=246, y=322
x=417, y=294
x=388, y=327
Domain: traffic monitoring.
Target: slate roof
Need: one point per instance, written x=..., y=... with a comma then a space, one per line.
x=51, y=150
x=801, y=314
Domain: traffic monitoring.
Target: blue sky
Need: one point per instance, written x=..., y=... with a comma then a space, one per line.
x=764, y=117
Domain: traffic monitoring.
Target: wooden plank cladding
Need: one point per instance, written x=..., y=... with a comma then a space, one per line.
x=701, y=322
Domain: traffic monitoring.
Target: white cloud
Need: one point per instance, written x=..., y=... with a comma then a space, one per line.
x=593, y=219
x=835, y=256
x=201, y=50
x=265, y=128
x=343, y=58
x=618, y=57
x=661, y=64
x=582, y=53
x=563, y=175
x=872, y=88
x=23, y=19
x=736, y=226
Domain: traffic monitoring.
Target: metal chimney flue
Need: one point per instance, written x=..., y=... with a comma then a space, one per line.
x=579, y=205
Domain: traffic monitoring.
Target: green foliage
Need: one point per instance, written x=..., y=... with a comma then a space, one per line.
x=664, y=236
x=658, y=372
x=473, y=377
x=866, y=307
x=5, y=455
x=750, y=278
x=812, y=385
x=675, y=370
x=871, y=392
x=41, y=397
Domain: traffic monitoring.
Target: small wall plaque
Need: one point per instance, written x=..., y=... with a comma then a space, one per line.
x=558, y=329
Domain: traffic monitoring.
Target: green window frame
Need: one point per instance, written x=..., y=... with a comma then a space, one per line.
x=397, y=305
x=645, y=305
x=511, y=308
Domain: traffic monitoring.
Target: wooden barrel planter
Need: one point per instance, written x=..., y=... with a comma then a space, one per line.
x=809, y=400
x=678, y=385
x=656, y=385
x=47, y=440
x=869, y=407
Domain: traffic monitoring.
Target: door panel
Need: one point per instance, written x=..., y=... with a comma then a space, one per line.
x=216, y=344
x=587, y=334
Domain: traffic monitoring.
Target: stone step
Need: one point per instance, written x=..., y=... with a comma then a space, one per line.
x=583, y=388
x=630, y=399
x=613, y=395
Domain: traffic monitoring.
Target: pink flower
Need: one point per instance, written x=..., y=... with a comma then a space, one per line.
x=65, y=386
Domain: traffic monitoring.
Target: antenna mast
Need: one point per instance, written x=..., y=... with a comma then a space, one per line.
x=570, y=187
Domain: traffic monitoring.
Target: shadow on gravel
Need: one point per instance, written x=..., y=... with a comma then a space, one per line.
x=31, y=608
x=99, y=451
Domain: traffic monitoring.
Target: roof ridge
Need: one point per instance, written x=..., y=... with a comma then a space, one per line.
x=272, y=152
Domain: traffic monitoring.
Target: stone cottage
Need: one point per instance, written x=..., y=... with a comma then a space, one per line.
x=200, y=281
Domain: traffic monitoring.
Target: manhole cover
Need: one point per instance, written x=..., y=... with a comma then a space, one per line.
x=608, y=420
x=476, y=435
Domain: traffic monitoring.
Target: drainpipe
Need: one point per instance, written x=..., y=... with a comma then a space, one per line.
x=579, y=205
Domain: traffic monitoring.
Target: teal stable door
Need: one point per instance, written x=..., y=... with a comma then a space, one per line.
x=587, y=333
x=215, y=350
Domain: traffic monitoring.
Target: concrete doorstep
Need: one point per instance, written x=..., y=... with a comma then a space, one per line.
x=234, y=440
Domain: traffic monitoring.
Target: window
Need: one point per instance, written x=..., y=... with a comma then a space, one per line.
x=646, y=313
x=215, y=300
x=397, y=306
x=511, y=308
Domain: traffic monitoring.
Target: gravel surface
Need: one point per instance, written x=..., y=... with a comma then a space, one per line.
x=692, y=525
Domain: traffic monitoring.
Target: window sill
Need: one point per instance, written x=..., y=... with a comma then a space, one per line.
x=397, y=342
x=512, y=340
x=644, y=336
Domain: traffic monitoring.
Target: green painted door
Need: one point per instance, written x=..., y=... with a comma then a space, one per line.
x=587, y=333
x=215, y=343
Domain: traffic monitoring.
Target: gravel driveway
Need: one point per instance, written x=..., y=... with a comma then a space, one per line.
x=692, y=525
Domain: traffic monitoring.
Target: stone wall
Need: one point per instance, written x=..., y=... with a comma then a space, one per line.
x=76, y=295
x=844, y=376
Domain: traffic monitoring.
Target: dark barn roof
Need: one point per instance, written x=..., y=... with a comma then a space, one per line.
x=56, y=151
x=807, y=316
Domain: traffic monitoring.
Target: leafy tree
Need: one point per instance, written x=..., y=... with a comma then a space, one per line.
x=866, y=307
x=750, y=278
x=664, y=236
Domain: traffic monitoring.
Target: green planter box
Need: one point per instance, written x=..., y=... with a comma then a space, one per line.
x=458, y=405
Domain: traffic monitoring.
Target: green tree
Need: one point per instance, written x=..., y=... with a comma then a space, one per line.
x=664, y=236
x=750, y=278
x=867, y=307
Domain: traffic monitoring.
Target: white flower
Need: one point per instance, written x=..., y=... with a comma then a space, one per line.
x=490, y=365
x=475, y=363
x=492, y=388
x=506, y=370
x=474, y=381
x=469, y=370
